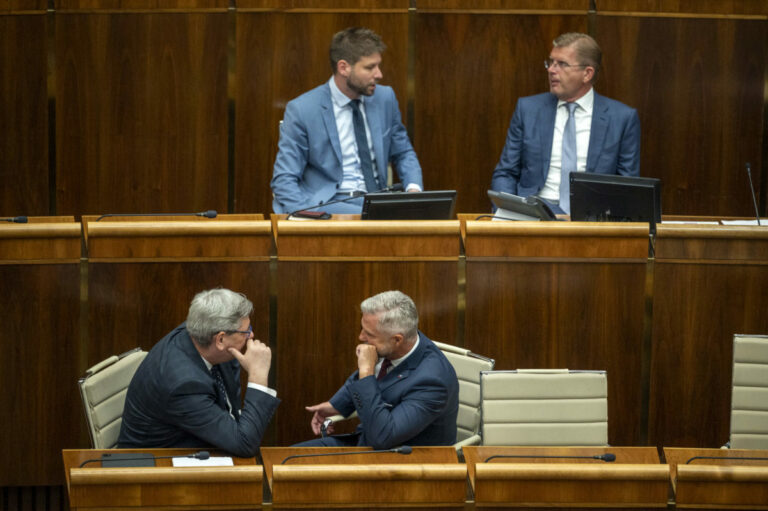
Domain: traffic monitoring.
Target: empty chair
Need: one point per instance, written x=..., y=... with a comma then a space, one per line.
x=749, y=398
x=544, y=407
x=103, y=390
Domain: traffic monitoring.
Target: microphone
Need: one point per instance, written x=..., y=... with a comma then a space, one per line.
x=397, y=187
x=725, y=458
x=15, y=219
x=607, y=457
x=403, y=449
x=751, y=187
x=200, y=455
x=211, y=213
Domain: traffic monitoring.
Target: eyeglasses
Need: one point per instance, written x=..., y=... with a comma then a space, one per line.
x=246, y=332
x=562, y=65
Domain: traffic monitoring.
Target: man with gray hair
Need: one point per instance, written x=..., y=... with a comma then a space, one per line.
x=405, y=391
x=186, y=392
x=569, y=129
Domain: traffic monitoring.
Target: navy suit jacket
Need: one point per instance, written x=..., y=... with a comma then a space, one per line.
x=415, y=404
x=172, y=402
x=308, y=169
x=614, y=143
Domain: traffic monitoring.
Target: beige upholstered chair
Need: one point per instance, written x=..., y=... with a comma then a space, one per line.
x=749, y=399
x=103, y=390
x=544, y=407
x=468, y=367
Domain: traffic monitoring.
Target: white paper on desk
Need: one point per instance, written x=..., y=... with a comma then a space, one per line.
x=213, y=461
x=763, y=222
x=689, y=222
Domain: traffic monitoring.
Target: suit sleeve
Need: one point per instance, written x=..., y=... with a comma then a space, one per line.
x=401, y=152
x=388, y=426
x=192, y=406
x=506, y=175
x=291, y=161
x=629, y=151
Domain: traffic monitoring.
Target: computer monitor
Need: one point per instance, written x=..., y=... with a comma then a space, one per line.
x=434, y=205
x=614, y=198
x=513, y=207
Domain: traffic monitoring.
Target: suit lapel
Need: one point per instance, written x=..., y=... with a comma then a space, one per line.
x=546, y=122
x=373, y=115
x=597, y=132
x=330, y=122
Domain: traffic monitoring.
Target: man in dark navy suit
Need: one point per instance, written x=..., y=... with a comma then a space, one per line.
x=405, y=391
x=186, y=392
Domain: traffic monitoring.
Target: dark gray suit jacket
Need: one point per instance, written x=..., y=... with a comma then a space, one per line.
x=172, y=402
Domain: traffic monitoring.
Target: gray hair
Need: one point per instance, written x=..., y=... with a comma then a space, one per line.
x=397, y=313
x=587, y=49
x=216, y=310
x=354, y=43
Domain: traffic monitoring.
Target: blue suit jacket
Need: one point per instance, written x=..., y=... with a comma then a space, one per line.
x=172, y=402
x=614, y=143
x=308, y=165
x=415, y=404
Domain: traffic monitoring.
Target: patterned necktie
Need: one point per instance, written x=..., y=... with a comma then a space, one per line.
x=384, y=368
x=568, y=159
x=366, y=164
x=221, y=389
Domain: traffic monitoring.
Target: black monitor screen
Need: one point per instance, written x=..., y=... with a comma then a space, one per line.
x=437, y=205
x=613, y=198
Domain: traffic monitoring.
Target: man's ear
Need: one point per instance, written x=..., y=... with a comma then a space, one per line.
x=344, y=68
x=218, y=341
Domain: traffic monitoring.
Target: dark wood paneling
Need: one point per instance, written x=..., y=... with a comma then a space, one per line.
x=274, y=66
x=141, y=112
x=40, y=404
x=539, y=5
x=133, y=5
x=470, y=71
x=700, y=102
x=685, y=6
x=23, y=116
x=319, y=323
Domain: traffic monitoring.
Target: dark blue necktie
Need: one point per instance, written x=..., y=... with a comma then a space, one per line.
x=221, y=390
x=568, y=159
x=363, y=152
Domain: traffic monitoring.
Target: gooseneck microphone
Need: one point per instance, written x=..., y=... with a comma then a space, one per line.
x=607, y=457
x=200, y=455
x=725, y=458
x=211, y=213
x=403, y=449
x=397, y=187
x=15, y=219
x=752, y=188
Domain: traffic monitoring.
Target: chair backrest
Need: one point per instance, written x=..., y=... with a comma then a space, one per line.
x=468, y=367
x=749, y=398
x=103, y=390
x=544, y=407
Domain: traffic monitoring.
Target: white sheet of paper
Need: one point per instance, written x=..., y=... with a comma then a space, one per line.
x=763, y=222
x=213, y=461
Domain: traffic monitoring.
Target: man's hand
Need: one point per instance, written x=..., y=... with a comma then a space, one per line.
x=256, y=361
x=366, y=359
x=320, y=412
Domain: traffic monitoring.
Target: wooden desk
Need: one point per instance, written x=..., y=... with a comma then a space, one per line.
x=721, y=484
x=143, y=273
x=40, y=339
x=324, y=270
x=564, y=295
x=429, y=477
x=162, y=487
x=635, y=479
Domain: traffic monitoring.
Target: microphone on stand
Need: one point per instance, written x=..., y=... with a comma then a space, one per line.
x=211, y=213
x=752, y=188
x=15, y=219
x=200, y=455
x=607, y=457
x=403, y=449
x=397, y=187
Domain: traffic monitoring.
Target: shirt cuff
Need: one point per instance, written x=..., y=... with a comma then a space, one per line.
x=413, y=186
x=271, y=392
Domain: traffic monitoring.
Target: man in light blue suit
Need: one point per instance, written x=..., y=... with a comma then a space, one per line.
x=539, y=149
x=337, y=140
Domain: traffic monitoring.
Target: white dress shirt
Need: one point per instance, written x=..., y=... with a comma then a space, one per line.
x=583, y=117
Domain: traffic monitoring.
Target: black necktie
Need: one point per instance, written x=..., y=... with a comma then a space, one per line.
x=363, y=152
x=221, y=390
